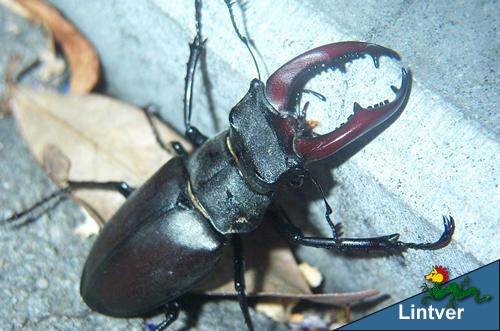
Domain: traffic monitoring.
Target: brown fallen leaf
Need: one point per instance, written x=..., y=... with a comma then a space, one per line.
x=9, y=84
x=312, y=274
x=17, y=9
x=56, y=164
x=81, y=55
x=271, y=272
x=50, y=66
x=97, y=138
x=268, y=262
x=103, y=138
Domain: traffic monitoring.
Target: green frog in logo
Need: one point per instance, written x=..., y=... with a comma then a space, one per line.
x=438, y=276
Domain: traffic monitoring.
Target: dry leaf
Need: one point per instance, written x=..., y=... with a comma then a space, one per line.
x=56, y=164
x=271, y=272
x=88, y=228
x=9, y=84
x=81, y=55
x=17, y=9
x=106, y=139
x=270, y=267
x=50, y=66
x=312, y=274
x=277, y=311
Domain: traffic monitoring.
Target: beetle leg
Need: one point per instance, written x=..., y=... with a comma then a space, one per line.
x=195, y=136
x=284, y=84
x=151, y=111
x=179, y=149
x=171, y=314
x=239, y=279
x=195, y=50
x=192, y=133
x=122, y=187
x=119, y=186
x=444, y=240
x=389, y=243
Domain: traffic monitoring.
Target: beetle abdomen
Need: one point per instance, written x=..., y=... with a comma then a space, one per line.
x=150, y=253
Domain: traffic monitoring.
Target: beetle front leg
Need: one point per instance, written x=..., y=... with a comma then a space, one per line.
x=389, y=243
x=195, y=50
x=295, y=235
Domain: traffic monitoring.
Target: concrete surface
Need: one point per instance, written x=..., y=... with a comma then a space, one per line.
x=439, y=157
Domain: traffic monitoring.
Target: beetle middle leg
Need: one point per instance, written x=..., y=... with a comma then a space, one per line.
x=196, y=48
x=119, y=186
x=151, y=111
x=239, y=279
x=192, y=133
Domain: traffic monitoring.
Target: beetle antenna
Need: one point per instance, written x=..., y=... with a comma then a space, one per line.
x=243, y=5
x=247, y=41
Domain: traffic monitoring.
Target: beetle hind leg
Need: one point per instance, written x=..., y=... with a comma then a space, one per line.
x=120, y=186
x=171, y=314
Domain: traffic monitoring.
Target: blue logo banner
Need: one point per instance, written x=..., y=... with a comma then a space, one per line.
x=469, y=302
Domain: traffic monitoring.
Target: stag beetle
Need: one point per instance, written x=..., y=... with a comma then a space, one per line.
x=169, y=233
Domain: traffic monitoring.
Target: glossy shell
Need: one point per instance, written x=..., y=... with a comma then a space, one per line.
x=155, y=248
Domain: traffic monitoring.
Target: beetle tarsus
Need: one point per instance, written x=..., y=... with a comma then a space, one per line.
x=171, y=314
x=443, y=241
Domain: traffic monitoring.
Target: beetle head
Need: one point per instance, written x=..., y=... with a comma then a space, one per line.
x=286, y=83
